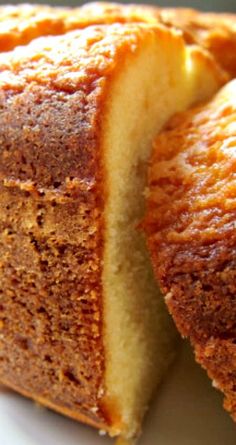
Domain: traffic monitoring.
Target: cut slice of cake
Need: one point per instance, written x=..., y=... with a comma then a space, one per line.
x=191, y=231
x=83, y=327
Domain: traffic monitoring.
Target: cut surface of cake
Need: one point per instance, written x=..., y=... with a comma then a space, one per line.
x=83, y=328
x=191, y=231
x=215, y=32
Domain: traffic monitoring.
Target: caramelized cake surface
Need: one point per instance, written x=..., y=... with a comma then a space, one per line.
x=215, y=32
x=191, y=231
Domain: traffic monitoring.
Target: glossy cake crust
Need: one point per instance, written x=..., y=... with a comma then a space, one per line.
x=191, y=231
x=215, y=32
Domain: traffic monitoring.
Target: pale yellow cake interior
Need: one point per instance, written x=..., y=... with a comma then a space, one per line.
x=157, y=81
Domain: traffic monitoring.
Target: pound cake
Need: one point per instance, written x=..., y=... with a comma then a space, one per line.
x=215, y=32
x=83, y=327
x=191, y=231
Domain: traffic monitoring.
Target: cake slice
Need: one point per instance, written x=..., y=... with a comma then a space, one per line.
x=83, y=328
x=215, y=32
x=191, y=232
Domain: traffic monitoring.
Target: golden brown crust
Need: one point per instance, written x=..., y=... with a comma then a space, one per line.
x=215, y=32
x=52, y=99
x=191, y=231
x=22, y=23
x=55, y=407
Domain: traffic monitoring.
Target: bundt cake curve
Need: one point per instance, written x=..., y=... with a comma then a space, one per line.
x=190, y=225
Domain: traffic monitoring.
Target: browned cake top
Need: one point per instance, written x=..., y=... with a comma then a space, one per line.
x=216, y=32
x=192, y=175
x=22, y=23
x=191, y=203
x=80, y=55
x=191, y=231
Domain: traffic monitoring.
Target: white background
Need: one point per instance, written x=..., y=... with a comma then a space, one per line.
x=186, y=411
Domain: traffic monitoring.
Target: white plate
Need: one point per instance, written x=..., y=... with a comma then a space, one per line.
x=187, y=411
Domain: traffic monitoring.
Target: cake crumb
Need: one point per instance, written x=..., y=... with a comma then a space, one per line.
x=168, y=296
x=102, y=433
x=215, y=384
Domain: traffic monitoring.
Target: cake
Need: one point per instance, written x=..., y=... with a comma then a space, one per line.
x=190, y=225
x=214, y=32
x=19, y=24
x=84, y=330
